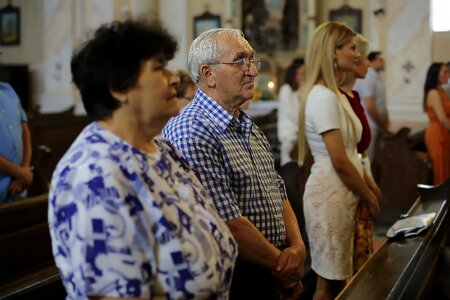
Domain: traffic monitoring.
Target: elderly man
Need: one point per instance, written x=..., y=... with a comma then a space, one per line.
x=232, y=158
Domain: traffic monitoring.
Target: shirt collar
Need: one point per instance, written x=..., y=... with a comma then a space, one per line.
x=221, y=117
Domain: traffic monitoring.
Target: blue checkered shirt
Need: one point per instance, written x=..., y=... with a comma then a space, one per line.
x=234, y=162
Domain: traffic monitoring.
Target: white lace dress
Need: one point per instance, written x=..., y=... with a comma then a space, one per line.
x=329, y=206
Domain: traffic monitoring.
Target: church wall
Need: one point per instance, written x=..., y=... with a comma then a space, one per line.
x=50, y=29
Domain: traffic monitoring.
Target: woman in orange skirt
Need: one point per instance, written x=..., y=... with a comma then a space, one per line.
x=437, y=106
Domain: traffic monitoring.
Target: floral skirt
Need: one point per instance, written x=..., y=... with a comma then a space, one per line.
x=363, y=240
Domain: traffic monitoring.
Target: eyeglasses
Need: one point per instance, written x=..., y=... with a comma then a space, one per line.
x=244, y=63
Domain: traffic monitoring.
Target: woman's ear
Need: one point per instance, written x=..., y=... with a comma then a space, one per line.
x=122, y=97
x=207, y=76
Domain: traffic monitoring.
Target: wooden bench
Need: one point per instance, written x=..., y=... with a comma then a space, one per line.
x=410, y=268
x=397, y=169
x=27, y=267
x=52, y=135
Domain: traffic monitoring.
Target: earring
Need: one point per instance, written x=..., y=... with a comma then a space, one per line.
x=335, y=65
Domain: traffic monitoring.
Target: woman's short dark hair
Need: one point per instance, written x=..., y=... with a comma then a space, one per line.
x=431, y=81
x=291, y=71
x=112, y=60
x=185, y=82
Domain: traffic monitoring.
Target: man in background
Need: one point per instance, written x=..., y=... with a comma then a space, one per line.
x=15, y=147
x=373, y=97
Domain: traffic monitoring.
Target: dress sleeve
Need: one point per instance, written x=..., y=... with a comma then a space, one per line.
x=324, y=111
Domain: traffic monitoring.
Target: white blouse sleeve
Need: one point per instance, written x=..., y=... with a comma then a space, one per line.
x=323, y=110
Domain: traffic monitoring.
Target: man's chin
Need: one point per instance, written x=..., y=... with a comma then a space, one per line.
x=249, y=96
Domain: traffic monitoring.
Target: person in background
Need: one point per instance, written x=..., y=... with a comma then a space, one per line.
x=185, y=89
x=233, y=160
x=363, y=244
x=436, y=104
x=331, y=129
x=373, y=95
x=289, y=106
x=16, y=174
x=127, y=216
x=446, y=86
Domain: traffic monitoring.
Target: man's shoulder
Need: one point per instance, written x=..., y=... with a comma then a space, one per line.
x=7, y=90
x=191, y=122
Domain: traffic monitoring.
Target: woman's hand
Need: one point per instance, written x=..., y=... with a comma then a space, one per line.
x=373, y=186
x=372, y=203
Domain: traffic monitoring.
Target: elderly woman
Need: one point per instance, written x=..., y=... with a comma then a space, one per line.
x=127, y=216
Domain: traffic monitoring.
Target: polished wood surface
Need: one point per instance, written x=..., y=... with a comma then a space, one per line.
x=404, y=268
x=27, y=268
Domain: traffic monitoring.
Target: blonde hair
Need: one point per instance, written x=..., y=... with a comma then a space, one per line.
x=320, y=64
x=362, y=46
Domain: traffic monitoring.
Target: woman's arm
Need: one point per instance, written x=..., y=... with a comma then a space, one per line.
x=26, y=138
x=434, y=101
x=347, y=171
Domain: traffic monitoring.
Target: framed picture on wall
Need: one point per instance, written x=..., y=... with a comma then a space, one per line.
x=9, y=25
x=350, y=16
x=205, y=22
x=271, y=25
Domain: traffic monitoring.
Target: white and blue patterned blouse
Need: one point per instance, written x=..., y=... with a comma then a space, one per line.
x=128, y=224
x=234, y=162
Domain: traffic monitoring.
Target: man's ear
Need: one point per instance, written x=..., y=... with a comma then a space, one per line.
x=122, y=97
x=208, y=76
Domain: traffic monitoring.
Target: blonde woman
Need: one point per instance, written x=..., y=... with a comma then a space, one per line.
x=363, y=244
x=336, y=184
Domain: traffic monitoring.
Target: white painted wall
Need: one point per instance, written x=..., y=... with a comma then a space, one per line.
x=47, y=39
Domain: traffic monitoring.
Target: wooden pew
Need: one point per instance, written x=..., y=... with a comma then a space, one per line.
x=397, y=169
x=27, y=269
x=52, y=135
x=409, y=268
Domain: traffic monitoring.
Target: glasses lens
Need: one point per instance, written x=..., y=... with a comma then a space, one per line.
x=257, y=63
x=245, y=63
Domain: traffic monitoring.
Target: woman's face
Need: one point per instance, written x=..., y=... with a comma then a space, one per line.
x=300, y=74
x=443, y=74
x=153, y=99
x=361, y=68
x=346, y=56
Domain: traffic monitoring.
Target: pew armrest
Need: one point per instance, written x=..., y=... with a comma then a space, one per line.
x=28, y=284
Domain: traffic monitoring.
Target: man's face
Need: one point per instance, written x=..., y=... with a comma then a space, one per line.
x=378, y=63
x=234, y=83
